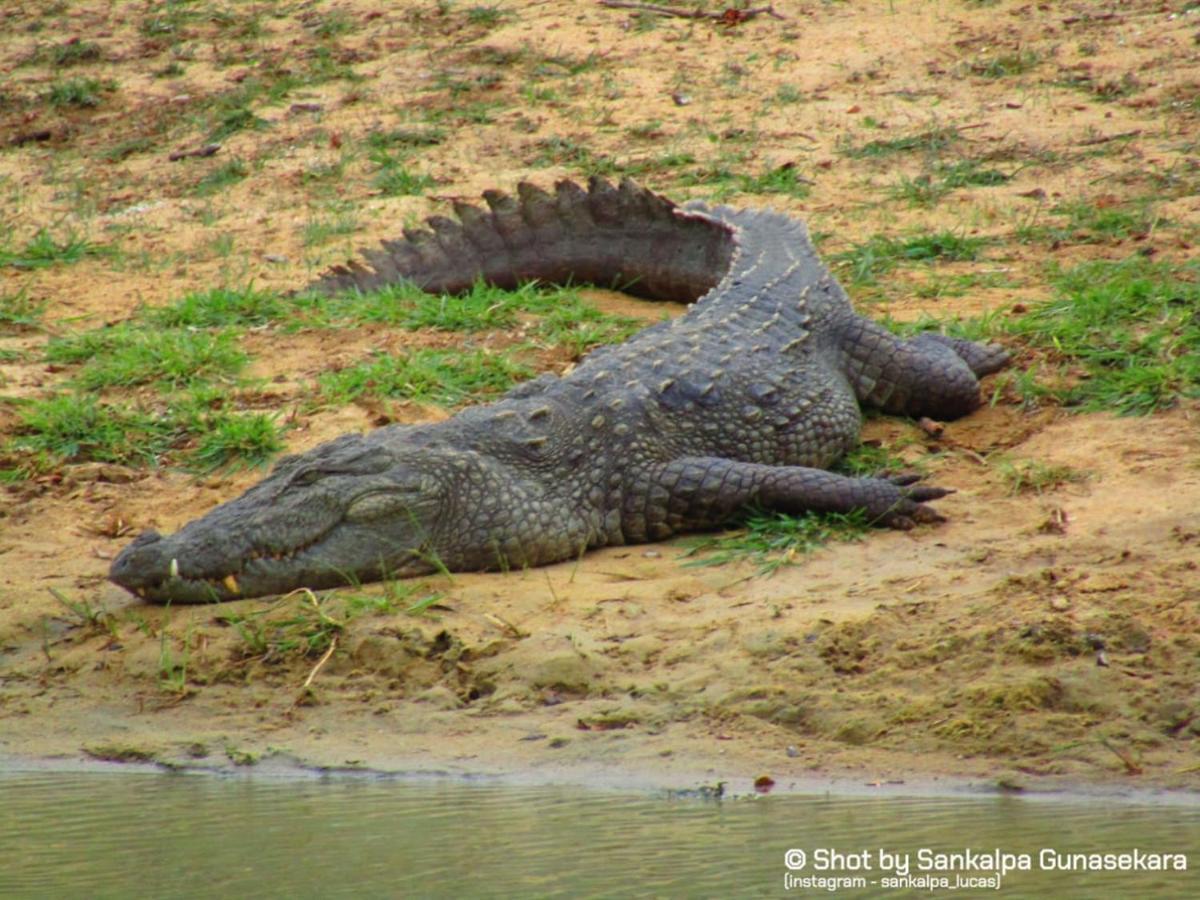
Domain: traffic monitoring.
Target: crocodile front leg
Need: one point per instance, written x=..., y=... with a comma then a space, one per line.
x=704, y=492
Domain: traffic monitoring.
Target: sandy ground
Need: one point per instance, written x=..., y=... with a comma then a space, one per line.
x=972, y=649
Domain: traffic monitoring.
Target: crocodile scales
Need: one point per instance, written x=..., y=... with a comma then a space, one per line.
x=746, y=398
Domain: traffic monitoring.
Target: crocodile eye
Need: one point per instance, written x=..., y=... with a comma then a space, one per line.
x=307, y=477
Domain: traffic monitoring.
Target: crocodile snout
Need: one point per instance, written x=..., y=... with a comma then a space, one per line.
x=141, y=563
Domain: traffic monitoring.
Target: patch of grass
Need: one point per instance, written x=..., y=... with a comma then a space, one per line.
x=969, y=173
x=125, y=149
x=221, y=177
x=80, y=427
x=788, y=93
x=1131, y=327
x=236, y=439
x=728, y=176
x=867, y=261
x=321, y=230
x=304, y=628
x=773, y=540
x=961, y=283
x=126, y=356
x=43, y=249
x=561, y=317
x=577, y=325
x=489, y=16
x=166, y=18
x=1028, y=476
x=82, y=93
x=219, y=308
x=868, y=461
x=333, y=24
x=232, y=121
x=482, y=308
x=931, y=141
x=1005, y=65
x=1094, y=223
x=784, y=179
x=558, y=151
x=394, y=179
x=95, y=619
x=1107, y=90
x=18, y=311
x=443, y=377
x=406, y=137
x=72, y=53
x=930, y=187
x=172, y=668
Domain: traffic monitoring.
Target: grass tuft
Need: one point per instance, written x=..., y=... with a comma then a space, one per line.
x=867, y=261
x=444, y=377
x=773, y=540
x=1130, y=330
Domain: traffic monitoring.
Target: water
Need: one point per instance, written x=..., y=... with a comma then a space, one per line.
x=152, y=835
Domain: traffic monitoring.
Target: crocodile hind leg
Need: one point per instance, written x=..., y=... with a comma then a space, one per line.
x=928, y=375
x=704, y=491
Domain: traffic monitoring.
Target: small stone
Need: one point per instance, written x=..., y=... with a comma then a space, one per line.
x=274, y=258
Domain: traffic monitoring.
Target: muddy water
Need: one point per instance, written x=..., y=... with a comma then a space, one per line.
x=126, y=835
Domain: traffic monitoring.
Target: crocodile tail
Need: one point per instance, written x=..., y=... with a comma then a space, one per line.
x=625, y=236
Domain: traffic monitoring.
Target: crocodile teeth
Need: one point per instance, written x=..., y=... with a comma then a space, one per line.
x=173, y=569
x=231, y=584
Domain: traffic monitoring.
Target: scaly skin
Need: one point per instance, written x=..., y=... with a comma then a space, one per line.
x=744, y=399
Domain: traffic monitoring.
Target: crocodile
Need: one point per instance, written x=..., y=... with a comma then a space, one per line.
x=747, y=398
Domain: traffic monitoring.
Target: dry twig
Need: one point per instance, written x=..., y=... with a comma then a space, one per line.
x=730, y=16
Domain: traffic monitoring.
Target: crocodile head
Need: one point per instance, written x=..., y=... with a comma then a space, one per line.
x=352, y=510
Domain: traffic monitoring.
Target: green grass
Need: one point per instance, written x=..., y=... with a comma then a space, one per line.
x=1028, y=476
x=1128, y=329
x=406, y=137
x=18, y=311
x=556, y=315
x=72, y=53
x=79, y=427
x=219, y=308
x=1084, y=222
x=124, y=149
x=235, y=439
x=43, y=250
x=930, y=141
x=867, y=261
x=489, y=16
x=772, y=540
x=322, y=229
x=782, y=180
x=556, y=151
x=125, y=356
x=224, y=175
x=82, y=93
x=333, y=24
x=443, y=377
x=930, y=187
x=231, y=121
x=579, y=326
x=304, y=628
x=1005, y=65
x=393, y=178
x=480, y=309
